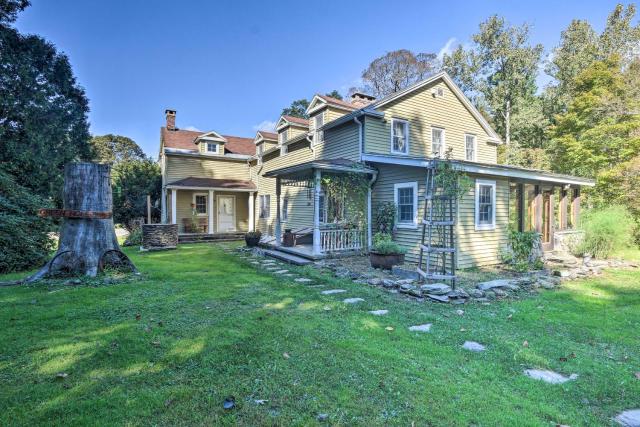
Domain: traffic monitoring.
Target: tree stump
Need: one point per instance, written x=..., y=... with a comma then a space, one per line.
x=88, y=240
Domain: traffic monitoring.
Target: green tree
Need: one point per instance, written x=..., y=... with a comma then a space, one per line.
x=620, y=37
x=132, y=181
x=335, y=94
x=298, y=108
x=115, y=148
x=498, y=71
x=43, y=111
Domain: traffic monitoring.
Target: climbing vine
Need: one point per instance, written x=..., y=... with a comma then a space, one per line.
x=346, y=198
x=450, y=179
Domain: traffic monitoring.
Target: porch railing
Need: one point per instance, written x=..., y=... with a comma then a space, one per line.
x=337, y=240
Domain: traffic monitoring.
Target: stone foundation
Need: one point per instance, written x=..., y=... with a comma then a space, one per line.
x=567, y=240
x=159, y=236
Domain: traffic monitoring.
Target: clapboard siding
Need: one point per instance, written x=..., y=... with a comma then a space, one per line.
x=482, y=247
x=422, y=110
x=184, y=200
x=340, y=143
x=179, y=167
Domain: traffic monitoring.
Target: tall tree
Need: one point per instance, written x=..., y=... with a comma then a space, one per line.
x=132, y=181
x=620, y=37
x=499, y=70
x=397, y=70
x=335, y=94
x=115, y=148
x=43, y=111
x=298, y=108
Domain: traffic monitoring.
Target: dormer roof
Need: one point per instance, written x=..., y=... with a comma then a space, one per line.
x=185, y=140
x=262, y=135
x=321, y=101
x=285, y=121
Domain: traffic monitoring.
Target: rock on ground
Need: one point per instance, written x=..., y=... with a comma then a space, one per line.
x=303, y=280
x=352, y=300
x=499, y=283
x=630, y=418
x=333, y=291
x=420, y=328
x=379, y=312
x=436, y=288
x=473, y=346
x=549, y=376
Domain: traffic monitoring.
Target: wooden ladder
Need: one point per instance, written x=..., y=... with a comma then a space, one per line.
x=437, y=260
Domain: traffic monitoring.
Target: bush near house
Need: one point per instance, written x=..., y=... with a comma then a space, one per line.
x=523, y=250
x=383, y=244
x=24, y=237
x=606, y=230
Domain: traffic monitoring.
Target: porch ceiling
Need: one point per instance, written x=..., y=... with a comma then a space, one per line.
x=305, y=170
x=214, y=184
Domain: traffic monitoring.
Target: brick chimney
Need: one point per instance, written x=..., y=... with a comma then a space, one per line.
x=361, y=100
x=171, y=119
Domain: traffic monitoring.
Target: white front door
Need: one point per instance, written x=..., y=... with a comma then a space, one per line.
x=226, y=214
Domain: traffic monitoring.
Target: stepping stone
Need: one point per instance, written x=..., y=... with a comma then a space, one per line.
x=630, y=418
x=473, y=346
x=333, y=291
x=500, y=283
x=436, y=289
x=272, y=268
x=549, y=376
x=255, y=262
x=282, y=271
x=439, y=298
x=420, y=328
x=303, y=280
x=290, y=275
x=379, y=312
x=352, y=300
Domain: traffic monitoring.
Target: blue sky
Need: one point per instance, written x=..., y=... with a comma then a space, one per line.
x=230, y=66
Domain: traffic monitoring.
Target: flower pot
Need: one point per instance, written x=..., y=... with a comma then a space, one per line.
x=252, y=241
x=385, y=261
x=288, y=238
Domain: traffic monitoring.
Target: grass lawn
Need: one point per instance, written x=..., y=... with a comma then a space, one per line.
x=211, y=325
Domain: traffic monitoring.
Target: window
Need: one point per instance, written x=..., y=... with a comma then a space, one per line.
x=283, y=136
x=212, y=148
x=265, y=206
x=399, y=136
x=284, y=215
x=319, y=122
x=200, y=203
x=437, y=142
x=406, y=199
x=485, y=204
x=470, y=147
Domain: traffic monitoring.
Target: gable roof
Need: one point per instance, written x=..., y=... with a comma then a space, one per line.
x=455, y=89
x=319, y=101
x=272, y=136
x=291, y=120
x=185, y=140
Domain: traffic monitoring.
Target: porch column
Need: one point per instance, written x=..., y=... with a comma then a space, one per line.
x=163, y=206
x=210, y=210
x=521, y=201
x=317, y=247
x=252, y=224
x=537, y=209
x=563, y=208
x=369, y=237
x=278, y=224
x=575, y=207
x=174, y=206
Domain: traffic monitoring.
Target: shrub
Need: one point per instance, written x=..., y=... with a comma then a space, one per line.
x=134, y=238
x=606, y=230
x=385, y=217
x=384, y=244
x=254, y=234
x=24, y=237
x=523, y=250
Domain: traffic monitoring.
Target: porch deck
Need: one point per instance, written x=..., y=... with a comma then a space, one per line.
x=205, y=237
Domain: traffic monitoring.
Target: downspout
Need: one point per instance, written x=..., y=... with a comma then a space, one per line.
x=312, y=147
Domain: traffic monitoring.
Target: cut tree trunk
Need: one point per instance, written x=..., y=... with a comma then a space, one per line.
x=88, y=240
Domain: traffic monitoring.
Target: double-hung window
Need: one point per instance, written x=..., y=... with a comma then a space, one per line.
x=485, y=204
x=284, y=215
x=470, y=148
x=399, y=136
x=200, y=203
x=318, y=123
x=406, y=199
x=265, y=206
x=212, y=148
x=437, y=142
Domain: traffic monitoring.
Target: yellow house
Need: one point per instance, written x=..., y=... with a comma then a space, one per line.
x=278, y=178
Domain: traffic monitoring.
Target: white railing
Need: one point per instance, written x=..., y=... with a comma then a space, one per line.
x=337, y=240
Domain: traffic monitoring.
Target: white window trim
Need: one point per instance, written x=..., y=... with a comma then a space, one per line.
x=479, y=226
x=316, y=132
x=444, y=141
x=284, y=215
x=475, y=147
x=283, y=136
x=206, y=147
x=206, y=204
x=397, y=187
x=406, y=127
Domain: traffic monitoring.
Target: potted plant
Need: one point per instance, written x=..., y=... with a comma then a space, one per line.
x=385, y=253
x=252, y=238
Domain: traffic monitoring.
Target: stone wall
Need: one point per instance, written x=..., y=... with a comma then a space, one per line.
x=567, y=240
x=159, y=236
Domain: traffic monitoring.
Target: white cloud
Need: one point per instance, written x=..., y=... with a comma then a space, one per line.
x=266, y=125
x=447, y=48
x=192, y=128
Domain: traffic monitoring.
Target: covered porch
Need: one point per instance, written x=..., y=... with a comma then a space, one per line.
x=328, y=232
x=205, y=206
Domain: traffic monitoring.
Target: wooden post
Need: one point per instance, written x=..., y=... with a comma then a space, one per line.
x=369, y=232
x=148, y=209
x=210, y=210
x=317, y=247
x=174, y=206
x=551, y=223
x=252, y=223
x=521, y=199
x=537, y=208
x=278, y=224
x=575, y=207
x=563, y=208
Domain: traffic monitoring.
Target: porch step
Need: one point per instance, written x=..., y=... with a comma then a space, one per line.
x=283, y=256
x=204, y=238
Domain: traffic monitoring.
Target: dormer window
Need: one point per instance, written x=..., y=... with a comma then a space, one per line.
x=318, y=123
x=283, y=137
x=212, y=148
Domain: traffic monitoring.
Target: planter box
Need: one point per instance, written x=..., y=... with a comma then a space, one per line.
x=385, y=261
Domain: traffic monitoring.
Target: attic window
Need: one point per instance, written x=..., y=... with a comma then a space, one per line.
x=212, y=148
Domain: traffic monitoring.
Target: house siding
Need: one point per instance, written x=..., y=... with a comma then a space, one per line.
x=423, y=111
x=184, y=199
x=340, y=143
x=179, y=167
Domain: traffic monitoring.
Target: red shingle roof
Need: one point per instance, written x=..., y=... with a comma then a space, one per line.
x=297, y=120
x=268, y=135
x=184, y=140
x=337, y=102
